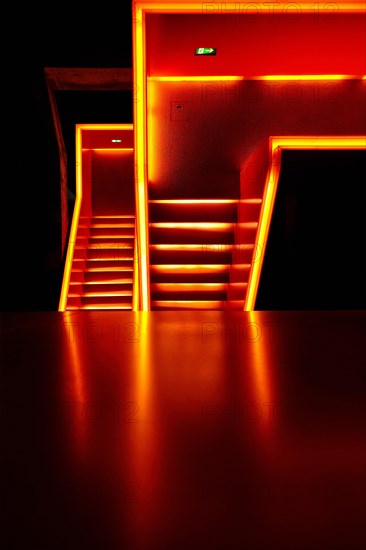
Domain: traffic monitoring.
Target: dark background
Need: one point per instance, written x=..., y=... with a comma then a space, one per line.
x=316, y=249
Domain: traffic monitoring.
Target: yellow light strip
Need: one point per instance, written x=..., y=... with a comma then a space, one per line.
x=307, y=77
x=276, y=145
x=140, y=156
x=195, y=201
x=296, y=77
x=193, y=78
x=136, y=285
x=234, y=7
x=119, y=149
x=74, y=223
x=106, y=126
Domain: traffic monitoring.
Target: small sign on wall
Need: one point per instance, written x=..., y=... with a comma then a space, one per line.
x=205, y=51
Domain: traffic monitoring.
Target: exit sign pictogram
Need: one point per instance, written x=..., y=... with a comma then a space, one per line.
x=205, y=51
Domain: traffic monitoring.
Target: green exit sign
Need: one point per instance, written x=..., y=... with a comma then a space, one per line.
x=205, y=51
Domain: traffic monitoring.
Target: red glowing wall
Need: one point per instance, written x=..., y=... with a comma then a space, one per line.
x=249, y=44
x=113, y=190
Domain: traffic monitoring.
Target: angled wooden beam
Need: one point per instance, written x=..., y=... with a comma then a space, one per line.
x=82, y=79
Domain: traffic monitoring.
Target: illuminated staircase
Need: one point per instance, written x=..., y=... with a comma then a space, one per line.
x=196, y=260
x=103, y=263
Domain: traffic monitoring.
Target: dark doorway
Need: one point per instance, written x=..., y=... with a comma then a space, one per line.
x=316, y=250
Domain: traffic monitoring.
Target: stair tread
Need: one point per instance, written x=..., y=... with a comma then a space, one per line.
x=101, y=306
x=205, y=201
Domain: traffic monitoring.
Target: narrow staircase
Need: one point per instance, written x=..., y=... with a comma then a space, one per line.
x=103, y=264
x=198, y=258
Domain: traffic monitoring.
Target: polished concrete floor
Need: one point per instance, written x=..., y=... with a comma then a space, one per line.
x=183, y=430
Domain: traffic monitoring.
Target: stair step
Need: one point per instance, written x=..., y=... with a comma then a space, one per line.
x=96, y=287
x=101, y=306
x=179, y=291
x=187, y=304
x=190, y=210
x=200, y=254
x=104, y=242
x=87, y=220
x=99, y=300
x=108, y=276
x=116, y=253
x=102, y=265
x=189, y=273
x=198, y=233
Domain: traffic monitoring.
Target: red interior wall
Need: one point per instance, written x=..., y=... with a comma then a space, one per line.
x=221, y=135
x=86, y=203
x=296, y=43
x=113, y=183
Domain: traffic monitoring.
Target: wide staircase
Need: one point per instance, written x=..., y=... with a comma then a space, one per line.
x=103, y=264
x=200, y=255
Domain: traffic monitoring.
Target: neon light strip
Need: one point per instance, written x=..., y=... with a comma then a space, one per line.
x=74, y=223
x=192, y=78
x=307, y=77
x=106, y=126
x=276, y=145
x=120, y=149
x=257, y=8
x=140, y=156
x=135, y=285
x=301, y=77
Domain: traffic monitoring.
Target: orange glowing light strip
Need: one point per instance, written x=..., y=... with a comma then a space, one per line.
x=119, y=149
x=307, y=77
x=78, y=200
x=193, y=78
x=74, y=223
x=276, y=145
x=258, y=8
x=226, y=78
x=135, y=284
x=139, y=70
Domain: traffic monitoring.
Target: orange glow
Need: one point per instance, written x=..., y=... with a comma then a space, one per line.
x=307, y=77
x=276, y=144
x=79, y=128
x=119, y=149
x=196, y=201
x=193, y=7
x=192, y=78
x=193, y=225
x=139, y=70
x=302, y=77
x=141, y=116
x=74, y=223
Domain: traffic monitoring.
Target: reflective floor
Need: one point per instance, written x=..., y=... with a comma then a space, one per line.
x=183, y=430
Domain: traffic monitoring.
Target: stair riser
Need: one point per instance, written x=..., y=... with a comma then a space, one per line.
x=200, y=212
x=110, y=276
x=189, y=277
x=97, y=301
x=113, y=242
x=111, y=254
x=111, y=231
x=179, y=235
x=205, y=255
x=188, y=295
x=81, y=289
x=101, y=265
